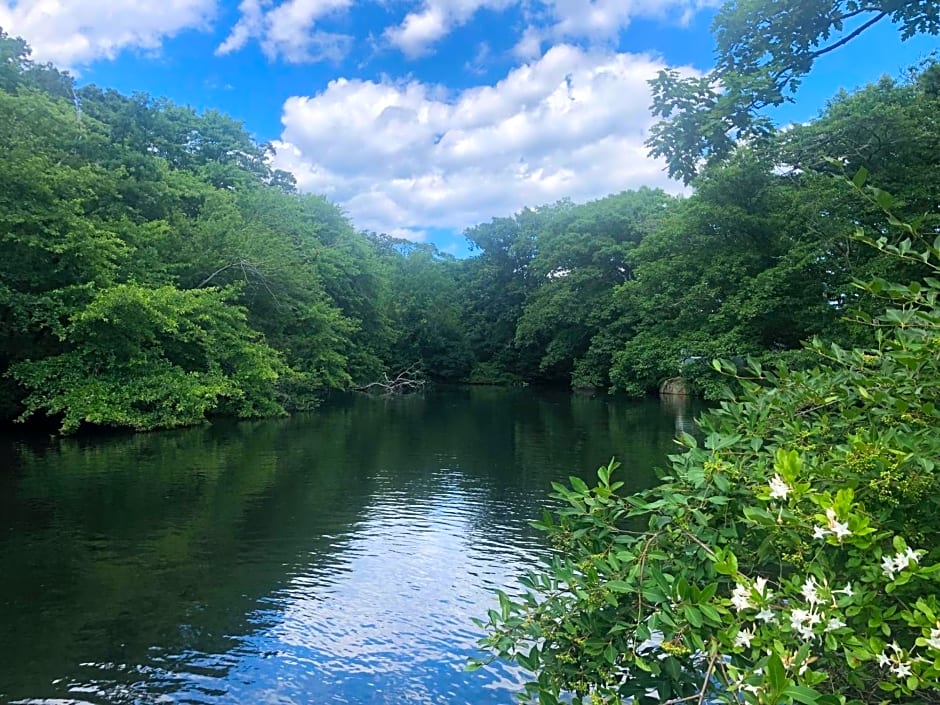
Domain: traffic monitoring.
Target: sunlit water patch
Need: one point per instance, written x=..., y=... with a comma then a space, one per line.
x=338, y=557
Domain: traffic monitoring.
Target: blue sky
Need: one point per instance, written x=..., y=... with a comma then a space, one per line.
x=422, y=117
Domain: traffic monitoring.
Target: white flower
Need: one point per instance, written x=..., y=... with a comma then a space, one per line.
x=841, y=530
x=744, y=638
x=741, y=597
x=778, y=488
x=798, y=616
x=834, y=623
x=765, y=615
x=902, y=669
x=760, y=584
x=809, y=591
x=801, y=621
x=847, y=591
x=900, y=561
x=896, y=663
x=819, y=532
x=908, y=557
x=934, y=640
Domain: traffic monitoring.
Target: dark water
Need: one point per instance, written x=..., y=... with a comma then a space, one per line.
x=336, y=557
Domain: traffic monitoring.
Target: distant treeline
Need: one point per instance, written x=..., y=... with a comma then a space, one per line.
x=156, y=271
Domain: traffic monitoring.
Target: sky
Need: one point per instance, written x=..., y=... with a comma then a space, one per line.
x=421, y=118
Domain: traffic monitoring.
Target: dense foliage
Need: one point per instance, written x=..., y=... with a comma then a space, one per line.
x=791, y=556
x=634, y=288
x=764, y=50
x=157, y=270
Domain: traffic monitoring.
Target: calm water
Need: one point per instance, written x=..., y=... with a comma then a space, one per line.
x=335, y=557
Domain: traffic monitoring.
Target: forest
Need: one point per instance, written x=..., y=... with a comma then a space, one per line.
x=158, y=272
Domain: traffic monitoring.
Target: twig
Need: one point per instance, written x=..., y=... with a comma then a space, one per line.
x=700, y=695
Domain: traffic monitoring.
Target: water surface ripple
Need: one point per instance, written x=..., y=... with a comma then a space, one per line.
x=337, y=557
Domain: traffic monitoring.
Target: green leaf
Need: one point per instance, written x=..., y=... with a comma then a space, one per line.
x=693, y=616
x=860, y=177
x=620, y=586
x=802, y=694
x=776, y=675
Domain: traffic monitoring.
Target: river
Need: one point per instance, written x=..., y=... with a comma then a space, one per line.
x=332, y=557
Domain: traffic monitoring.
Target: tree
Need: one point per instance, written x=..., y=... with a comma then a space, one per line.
x=761, y=256
x=694, y=295
x=582, y=255
x=107, y=200
x=153, y=358
x=18, y=71
x=789, y=558
x=426, y=314
x=507, y=246
x=764, y=49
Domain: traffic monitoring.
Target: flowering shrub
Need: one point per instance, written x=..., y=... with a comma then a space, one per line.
x=791, y=555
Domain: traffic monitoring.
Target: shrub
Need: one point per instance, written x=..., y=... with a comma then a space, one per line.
x=791, y=555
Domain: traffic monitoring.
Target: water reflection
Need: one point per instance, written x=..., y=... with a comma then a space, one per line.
x=684, y=410
x=331, y=558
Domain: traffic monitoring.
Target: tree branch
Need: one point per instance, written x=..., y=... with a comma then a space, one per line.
x=408, y=380
x=849, y=37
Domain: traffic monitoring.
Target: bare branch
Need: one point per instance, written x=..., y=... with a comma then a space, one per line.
x=408, y=380
x=850, y=36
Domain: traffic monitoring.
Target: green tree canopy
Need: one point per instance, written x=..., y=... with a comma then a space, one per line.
x=764, y=49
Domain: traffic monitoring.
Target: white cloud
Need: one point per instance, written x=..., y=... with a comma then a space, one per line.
x=594, y=21
x=529, y=45
x=480, y=60
x=421, y=29
x=288, y=30
x=249, y=25
x=407, y=155
x=71, y=33
x=603, y=19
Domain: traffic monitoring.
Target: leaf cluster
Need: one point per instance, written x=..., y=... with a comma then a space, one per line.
x=789, y=555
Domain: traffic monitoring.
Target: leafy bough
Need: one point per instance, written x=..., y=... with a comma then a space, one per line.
x=790, y=556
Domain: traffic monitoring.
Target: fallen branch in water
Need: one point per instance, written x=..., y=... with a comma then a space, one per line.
x=406, y=381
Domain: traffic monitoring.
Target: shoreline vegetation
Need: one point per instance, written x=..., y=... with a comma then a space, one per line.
x=157, y=272
x=788, y=555
x=791, y=552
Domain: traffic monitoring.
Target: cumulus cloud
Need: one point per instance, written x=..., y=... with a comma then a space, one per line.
x=420, y=29
x=551, y=21
x=408, y=155
x=288, y=30
x=604, y=19
x=71, y=33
